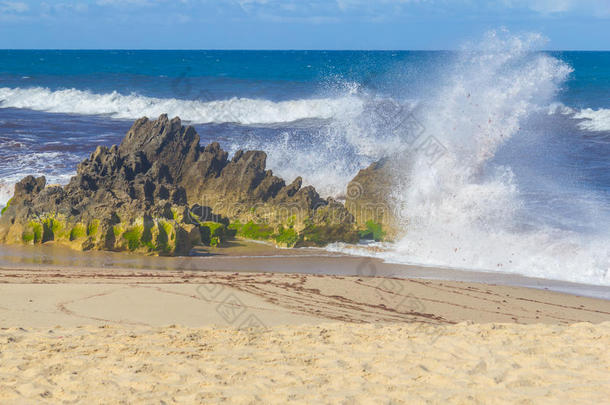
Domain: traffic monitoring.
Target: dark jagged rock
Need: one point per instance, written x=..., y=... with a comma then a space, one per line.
x=159, y=191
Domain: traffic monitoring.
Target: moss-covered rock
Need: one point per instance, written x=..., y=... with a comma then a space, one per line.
x=286, y=237
x=133, y=237
x=138, y=197
x=374, y=231
x=78, y=231
x=315, y=235
x=32, y=233
x=92, y=228
x=8, y=204
x=213, y=233
x=252, y=230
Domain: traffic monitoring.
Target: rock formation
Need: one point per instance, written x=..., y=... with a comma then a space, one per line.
x=160, y=192
x=369, y=200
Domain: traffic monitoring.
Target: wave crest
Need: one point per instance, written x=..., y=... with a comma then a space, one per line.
x=236, y=110
x=594, y=120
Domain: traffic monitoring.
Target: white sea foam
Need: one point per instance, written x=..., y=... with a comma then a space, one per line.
x=48, y=164
x=594, y=120
x=6, y=191
x=237, y=110
x=589, y=119
x=465, y=211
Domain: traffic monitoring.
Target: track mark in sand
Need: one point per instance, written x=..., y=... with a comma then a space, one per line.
x=196, y=297
x=292, y=293
x=331, y=306
x=62, y=307
x=501, y=300
x=581, y=308
x=489, y=292
x=438, y=301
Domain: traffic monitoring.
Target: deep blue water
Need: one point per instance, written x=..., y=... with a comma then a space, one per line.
x=314, y=112
x=277, y=75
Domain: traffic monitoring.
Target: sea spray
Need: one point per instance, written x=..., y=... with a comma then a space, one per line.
x=467, y=210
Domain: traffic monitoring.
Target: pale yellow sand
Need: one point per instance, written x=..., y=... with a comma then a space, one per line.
x=291, y=338
x=330, y=363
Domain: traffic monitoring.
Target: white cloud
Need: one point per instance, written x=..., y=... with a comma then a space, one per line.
x=320, y=11
x=123, y=2
x=597, y=8
x=13, y=7
x=138, y=3
x=345, y=4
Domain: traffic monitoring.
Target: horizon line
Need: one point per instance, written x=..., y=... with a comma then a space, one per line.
x=277, y=49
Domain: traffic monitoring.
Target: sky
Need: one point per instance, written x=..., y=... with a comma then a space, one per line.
x=296, y=24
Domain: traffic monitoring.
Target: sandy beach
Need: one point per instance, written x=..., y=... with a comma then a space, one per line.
x=121, y=335
x=327, y=363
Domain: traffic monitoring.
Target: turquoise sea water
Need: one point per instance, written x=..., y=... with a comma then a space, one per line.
x=274, y=75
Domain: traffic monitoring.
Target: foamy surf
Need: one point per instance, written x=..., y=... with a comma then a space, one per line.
x=589, y=119
x=48, y=164
x=7, y=185
x=6, y=192
x=467, y=211
x=594, y=120
x=235, y=110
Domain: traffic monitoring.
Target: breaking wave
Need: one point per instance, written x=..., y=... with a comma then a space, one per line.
x=470, y=209
x=235, y=110
x=593, y=120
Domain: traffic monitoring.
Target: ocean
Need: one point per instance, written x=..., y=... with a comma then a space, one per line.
x=522, y=185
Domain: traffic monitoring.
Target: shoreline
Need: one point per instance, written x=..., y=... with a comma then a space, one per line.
x=69, y=296
x=255, y=256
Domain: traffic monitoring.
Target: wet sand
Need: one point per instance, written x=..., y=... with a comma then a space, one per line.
x=248, y=256
x=54, y=296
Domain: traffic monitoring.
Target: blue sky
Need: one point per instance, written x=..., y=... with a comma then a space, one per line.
x=296, y=24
